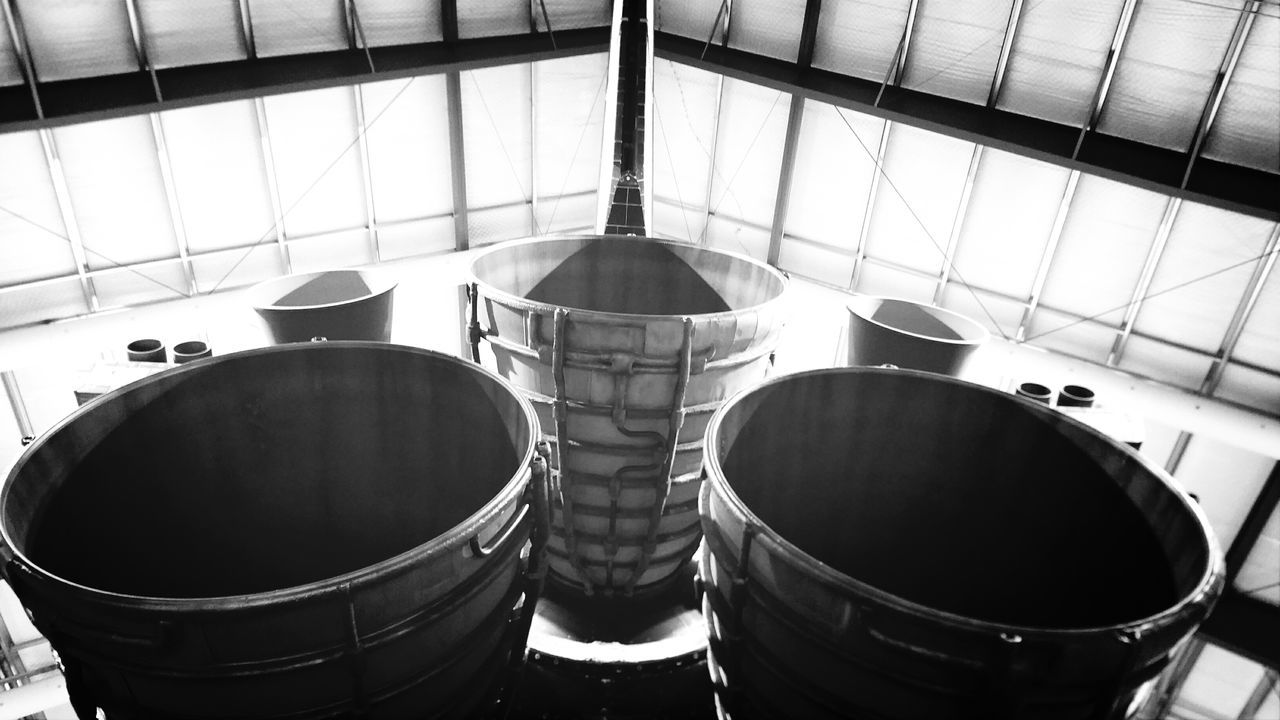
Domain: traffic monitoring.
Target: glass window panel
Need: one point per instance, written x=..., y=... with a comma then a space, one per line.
x=876, y=279
x=192, y=32
x=690, y=18
x=286, y=27
x=1218, y=685
x=570, y=103
x=684, y=102
x=216, y=156
x=118, y=288
x=113, y=176
x=236, y=268
x=860, y=38
x=984, y=308
x=568, y=14
x=496, y=118
x=496, y=224
x=676, y=222
x=1186, y=306
x=1250, y=388
x=49, y=300
x=833, y=173
x=562, y=214
x=33, y=240
x=1260, y=342
x=399, y=22
x=1057, y=59
x=317, y=163
x=493, y=17
x=409, y=156
x=928, y=171
x=334, y=250
x=1008, y=222
x=1260, y=575
x=418, y=237
x=753, y=126
x=1226, y=478
x=1159, y=361
x=1245, y=129
x=727, y=234
x=72, y=38
x=1104, y=244
x=1166, y=70
x=10, y=67
x=955, y=47
x=816, y=262
x=768, y=28
x=1070, y=335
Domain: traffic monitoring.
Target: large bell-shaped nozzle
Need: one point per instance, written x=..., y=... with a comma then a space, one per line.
x=334, y=304
x=889, y=331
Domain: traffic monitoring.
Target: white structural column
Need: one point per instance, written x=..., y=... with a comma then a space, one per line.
x=1108, y=72
x=171, y=197
x=1046, y=258
x=1248, y=301
x=604, y=195
x=1228, y=68
x=860, y=249
x=66, y=210
x=957, y=224
x=1144, y=280
x=273, y=185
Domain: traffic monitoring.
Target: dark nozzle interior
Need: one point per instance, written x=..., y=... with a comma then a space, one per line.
x=960, y=499
x=266, y=470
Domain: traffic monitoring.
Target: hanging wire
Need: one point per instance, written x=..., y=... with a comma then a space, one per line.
x=746, y=154
x=586, y=125
x=1157, y=293
x=270, y=232
x=503, y=146
x=89, y=250
x=684, y=214
x=706, y=150
x=941, y=251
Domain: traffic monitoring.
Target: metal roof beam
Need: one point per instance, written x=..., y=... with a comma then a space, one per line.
x=1246, y=626
x=21, y=49
x=139, y=35
x=1046, y=258
x=1006, y=47
x=860, y=249
x=1143, y=287
x=1248, y=301
x=1220, y=83
x=457, y=148
x=899, y=65
x=957, y=224
x=71, y=101
x=1254, y=523
x=795, y=119
x=63, y=197
x=1108, y=71
x=1266, y=685
x=1232, y=187
x=273, y=186
x=722, y=22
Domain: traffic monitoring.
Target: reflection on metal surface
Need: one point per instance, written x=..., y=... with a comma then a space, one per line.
x=978, y=556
